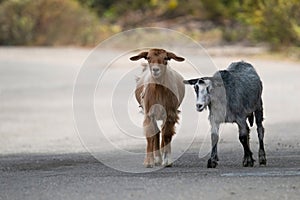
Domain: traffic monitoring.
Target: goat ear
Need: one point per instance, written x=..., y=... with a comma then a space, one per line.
x=173, y=56
x=191, y=81
x=139, y=56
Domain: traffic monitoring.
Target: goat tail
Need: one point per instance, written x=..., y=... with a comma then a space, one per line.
x=251, y=119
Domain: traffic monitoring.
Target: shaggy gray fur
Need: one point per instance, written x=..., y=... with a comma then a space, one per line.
x=243, y=89
x=233, y=95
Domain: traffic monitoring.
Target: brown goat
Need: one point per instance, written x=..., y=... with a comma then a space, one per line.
x=159, y=91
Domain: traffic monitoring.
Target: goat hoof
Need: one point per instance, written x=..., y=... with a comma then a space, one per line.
x=248, y=162
x=212, y=163
x=157, y=161
x=262, y=157
x=166, y=160
x=168, y=165
x=262, y=161
x=148, y=163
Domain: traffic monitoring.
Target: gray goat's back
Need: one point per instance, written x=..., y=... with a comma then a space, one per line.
x=243, y=88
x=242, y=68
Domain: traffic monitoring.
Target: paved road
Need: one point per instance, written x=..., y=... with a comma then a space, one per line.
x=41, y=156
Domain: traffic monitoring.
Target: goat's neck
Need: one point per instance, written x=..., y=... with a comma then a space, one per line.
x=217, y=107
x=161, y=80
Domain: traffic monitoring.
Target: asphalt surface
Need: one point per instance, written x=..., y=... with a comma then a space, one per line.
x=42, y=156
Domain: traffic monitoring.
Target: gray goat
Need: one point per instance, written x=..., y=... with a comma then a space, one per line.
x=232, y=95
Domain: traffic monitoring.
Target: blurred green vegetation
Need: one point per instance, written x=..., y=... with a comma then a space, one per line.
x=87, y=22
x=276, y=22
x=48, y=22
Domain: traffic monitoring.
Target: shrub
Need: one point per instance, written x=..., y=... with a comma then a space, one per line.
x=273, y=21
x=47, y=22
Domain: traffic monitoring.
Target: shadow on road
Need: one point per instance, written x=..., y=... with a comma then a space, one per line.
x=189, y=163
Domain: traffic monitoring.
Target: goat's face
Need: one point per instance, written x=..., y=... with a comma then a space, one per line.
x=157, y=60
x=202, y=88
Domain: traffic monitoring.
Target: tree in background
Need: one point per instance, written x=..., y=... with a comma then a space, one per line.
x=86, y=22
x=47, y=22
x=276, y=22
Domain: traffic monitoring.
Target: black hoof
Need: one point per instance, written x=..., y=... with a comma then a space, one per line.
x=262, y=161
x=262, y=157
x=248, y=161
x=148, y=165
x=212, y=163
x=169, y=165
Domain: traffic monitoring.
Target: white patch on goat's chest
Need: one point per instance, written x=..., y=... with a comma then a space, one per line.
x=170, y=79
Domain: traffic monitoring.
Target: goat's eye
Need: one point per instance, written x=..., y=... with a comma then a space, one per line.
x=166, y=58
x=207, y=90
x=196, y=88
x=148, y=58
